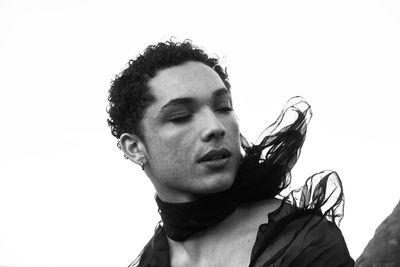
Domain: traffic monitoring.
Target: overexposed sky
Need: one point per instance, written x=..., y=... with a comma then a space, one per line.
x=68, y=197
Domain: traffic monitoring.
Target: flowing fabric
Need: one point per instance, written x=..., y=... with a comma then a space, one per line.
x=301, y=232
x=304, y=231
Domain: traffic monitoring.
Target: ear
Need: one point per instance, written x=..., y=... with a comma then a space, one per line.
x=133, y=148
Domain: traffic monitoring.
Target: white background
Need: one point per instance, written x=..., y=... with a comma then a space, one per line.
x=68, y=197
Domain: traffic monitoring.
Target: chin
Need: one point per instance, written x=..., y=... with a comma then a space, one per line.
x=221, y=180
x=217, y=184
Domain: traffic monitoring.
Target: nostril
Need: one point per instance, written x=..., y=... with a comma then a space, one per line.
x=215, y=134
x=219, y=133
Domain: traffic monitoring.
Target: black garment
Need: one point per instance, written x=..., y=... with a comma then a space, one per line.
x=301, y=232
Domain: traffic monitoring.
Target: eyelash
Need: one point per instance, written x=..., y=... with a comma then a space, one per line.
x=184, y=118
x=225, y=109
x=181, y=119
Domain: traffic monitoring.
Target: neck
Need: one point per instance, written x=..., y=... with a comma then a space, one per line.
x=242, y=224
x=195, y=247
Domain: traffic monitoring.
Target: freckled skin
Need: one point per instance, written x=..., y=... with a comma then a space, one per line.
x=173, y=149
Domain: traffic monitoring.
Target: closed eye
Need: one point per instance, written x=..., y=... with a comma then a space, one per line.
x=224, y=107
x=181, y=118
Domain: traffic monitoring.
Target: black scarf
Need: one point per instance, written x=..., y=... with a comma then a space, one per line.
x=264, y=172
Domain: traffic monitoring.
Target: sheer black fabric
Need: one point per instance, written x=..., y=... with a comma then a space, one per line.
x=301, y=232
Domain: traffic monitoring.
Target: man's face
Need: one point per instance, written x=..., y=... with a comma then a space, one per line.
x=191, y=133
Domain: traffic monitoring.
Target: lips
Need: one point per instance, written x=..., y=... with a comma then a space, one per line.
x=215, y=154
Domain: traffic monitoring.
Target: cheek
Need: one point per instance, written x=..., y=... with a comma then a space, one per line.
x=233, y=134
x=170, y=147
x=232, y=127
x=170, y=160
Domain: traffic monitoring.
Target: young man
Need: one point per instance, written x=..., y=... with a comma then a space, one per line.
x=172, y=112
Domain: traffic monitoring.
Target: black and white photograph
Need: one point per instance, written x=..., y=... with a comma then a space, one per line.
x=199, y=133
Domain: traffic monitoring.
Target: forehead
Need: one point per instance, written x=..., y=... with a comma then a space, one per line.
x=190, y=79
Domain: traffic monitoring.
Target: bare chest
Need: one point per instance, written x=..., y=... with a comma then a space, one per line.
x=233, y=253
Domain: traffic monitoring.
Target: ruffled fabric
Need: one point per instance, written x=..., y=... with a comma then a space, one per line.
x=304, y=231
x=266, y=166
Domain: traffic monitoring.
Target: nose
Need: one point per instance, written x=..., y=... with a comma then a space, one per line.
x=212, y=127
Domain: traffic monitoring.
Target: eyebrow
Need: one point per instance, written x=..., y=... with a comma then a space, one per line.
x=189, y=100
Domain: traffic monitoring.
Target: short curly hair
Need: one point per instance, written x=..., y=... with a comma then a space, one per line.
x=129, y=95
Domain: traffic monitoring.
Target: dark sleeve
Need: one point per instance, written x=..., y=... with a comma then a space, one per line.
x=299, y=240
x=323, y=245
x=155, y=253
x=308, y=233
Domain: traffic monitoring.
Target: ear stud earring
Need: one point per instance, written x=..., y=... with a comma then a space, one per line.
x=141, y=165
